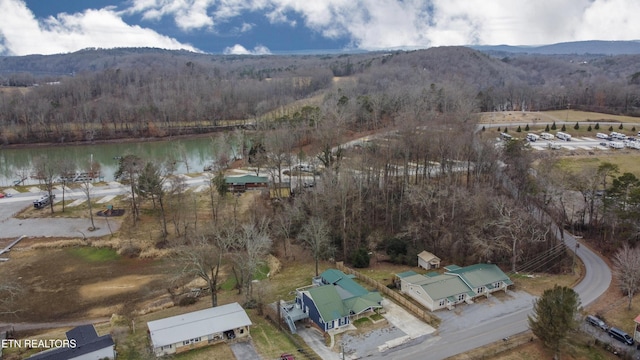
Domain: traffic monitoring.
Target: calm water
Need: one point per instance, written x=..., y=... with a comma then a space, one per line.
x=198, y=152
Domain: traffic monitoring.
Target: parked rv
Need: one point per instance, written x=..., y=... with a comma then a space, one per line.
x=602, y=136
x=532, y=137
x=546, y=136
x=616, y=145
x=563, y=136
x=505, y=136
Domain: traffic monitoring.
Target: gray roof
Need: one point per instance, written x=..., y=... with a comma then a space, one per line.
x=87, y=341
x=195, y=324
x=441, y=286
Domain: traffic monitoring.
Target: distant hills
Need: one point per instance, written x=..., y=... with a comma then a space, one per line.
x=593, y=47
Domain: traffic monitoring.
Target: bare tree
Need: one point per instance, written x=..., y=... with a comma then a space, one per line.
x=626, y=264
x=66, y=168
x=204, y=257
x=253, y=244
x=46, y=171
x=315, y=235
x=128, y=169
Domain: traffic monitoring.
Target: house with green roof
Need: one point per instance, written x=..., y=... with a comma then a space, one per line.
x=244, y=182
x=334, y=298
x=457, y=285
x=483, y=279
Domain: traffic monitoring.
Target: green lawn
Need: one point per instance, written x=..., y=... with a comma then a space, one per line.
x=93, y=254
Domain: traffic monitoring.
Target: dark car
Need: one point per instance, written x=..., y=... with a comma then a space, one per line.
x=620, y=336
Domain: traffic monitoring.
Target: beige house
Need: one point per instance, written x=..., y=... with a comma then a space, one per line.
x=457, y=285
x=428, y=261
x=197, y=329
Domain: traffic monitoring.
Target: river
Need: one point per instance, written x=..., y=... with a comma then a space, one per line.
x=191, y=155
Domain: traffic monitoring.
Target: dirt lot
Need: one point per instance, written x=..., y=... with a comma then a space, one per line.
x=67, y=284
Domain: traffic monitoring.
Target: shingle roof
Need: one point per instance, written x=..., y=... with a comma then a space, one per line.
x=195, y=324
x=87, y=341
x=427, y=256
x=480, y=274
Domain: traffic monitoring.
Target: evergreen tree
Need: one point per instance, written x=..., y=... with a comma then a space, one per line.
x=506, y=130
x=576, y=126
x=564, y=128
x=518, y=129
x=555, y=315
x=553, y=126
x=620, y=127
x=597, y=127
x=611, y=128
x=589, y=128
x=633, y=129
x=546, y=128
x=499, y=129
x=483, y=128
x=526, y=128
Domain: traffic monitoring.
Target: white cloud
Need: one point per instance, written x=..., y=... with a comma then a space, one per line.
x=238, y=49
x=365, y=24
x=23, y=34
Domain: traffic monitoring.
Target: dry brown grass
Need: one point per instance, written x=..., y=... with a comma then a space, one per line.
x=550, y=116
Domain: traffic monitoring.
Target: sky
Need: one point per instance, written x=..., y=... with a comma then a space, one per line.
x=306, y=26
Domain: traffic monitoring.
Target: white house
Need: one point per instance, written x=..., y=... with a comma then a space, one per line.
x=197, y=329
x=87, y=346
x=427, y=260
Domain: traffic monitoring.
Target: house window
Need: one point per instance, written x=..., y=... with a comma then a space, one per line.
x=166, y=347
x=497, y=285
x=330, y=325
x=442, y=302
x=480, y=290
x=461, y=297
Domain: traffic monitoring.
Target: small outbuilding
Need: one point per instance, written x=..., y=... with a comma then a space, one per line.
x=428, y=261
x=198, y=329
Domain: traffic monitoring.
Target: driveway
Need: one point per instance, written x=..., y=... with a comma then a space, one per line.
x=244, y=350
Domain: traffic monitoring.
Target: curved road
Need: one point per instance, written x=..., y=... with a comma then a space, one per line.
x=596, y=281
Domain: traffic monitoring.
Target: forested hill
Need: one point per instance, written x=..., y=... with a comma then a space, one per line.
x=101, y=94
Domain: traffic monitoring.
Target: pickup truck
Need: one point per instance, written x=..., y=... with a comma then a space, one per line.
x=43, y=201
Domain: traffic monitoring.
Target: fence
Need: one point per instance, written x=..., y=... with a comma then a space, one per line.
x=417, y=310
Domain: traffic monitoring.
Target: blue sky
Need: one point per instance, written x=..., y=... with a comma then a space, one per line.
x=290, y=26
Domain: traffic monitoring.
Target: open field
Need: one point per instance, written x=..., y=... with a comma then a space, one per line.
x=550, y=116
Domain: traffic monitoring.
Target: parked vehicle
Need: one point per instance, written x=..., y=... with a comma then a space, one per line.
x=616, y=145
x=505, y=136
x=43, y=201
x=602, y=136
x=620, y=336
x=617, y=136
x=546, y=136
x=563, y=136
x=532, y=137
x=597, y=322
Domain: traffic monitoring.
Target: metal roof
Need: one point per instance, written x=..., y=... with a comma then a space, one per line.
x=480, y=274
x=349, y=288
x=406, y=273
x=444, y=286
x=195, y=324
x=328, y=302
x=245, y=179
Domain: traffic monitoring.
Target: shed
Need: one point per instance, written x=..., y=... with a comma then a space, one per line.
x=428, y=261
x=197, y=329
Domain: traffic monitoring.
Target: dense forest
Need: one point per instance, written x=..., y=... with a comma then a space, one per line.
x=99, y=94
x=427, y=183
